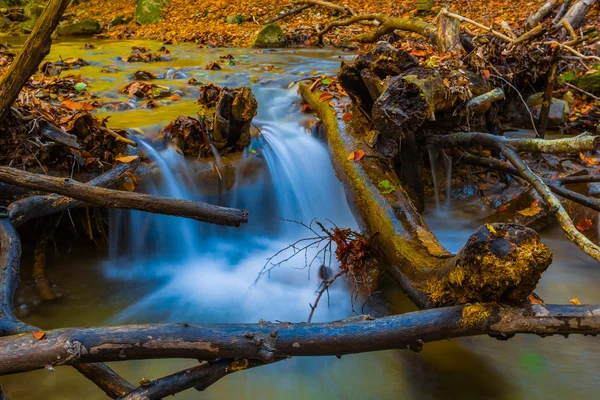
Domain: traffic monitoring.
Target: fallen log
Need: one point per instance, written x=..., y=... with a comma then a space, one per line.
x=407, y=249
x=535, y=17
x=128, y=200
x=272, y=341
x=578, y=11
x=32, y=207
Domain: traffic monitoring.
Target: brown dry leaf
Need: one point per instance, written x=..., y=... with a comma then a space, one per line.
x=325, y=96
x=532, y=210
x=358, y=154
x=126, y=159
x=584, y=225
x=39, y=335
x=347, y=117
x=535, y=300
x=74, y=105
x=575, y=301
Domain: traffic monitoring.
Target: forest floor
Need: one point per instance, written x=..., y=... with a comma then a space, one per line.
x=204, y=21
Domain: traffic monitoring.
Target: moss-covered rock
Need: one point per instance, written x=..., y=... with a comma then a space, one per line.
x=33, y=10
x=120, y=20
x=148, y=11
x=84, y=28
x=589, y=83
x=270, y=36
x=27, y=26
x=4, y=23
x=234, y=19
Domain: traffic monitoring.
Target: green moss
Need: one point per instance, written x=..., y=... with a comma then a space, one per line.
x=589, y=83
x=148, y=11
x=87, y=27
x=270, y=36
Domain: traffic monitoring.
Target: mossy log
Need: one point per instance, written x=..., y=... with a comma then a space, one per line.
x=486, y=269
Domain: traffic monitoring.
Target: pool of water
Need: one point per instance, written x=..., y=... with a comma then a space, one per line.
x=167, y=269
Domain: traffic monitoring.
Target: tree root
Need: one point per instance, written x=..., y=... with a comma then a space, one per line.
x=510, y=148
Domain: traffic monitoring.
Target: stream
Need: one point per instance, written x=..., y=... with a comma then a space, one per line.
x=159, y=268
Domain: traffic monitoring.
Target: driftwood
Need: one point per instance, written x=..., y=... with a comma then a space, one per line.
x=537, y=16
x=36, y=47
x=127, y=200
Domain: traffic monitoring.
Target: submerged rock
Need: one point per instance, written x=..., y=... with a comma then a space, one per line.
x=270, y=36
x=148, y=11
x=87, y=27
x=120, y=20
x=234, y=19
x=559, y=110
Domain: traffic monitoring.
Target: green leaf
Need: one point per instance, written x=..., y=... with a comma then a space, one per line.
x=80, y=87
x=252, y=151
x=386, y=186
x=325, y=81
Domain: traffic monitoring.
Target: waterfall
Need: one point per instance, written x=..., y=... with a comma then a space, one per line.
x=206, y=273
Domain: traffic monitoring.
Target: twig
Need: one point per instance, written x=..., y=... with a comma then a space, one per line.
x=522, y=100
x=572, y=50
x=324, y=287
x=118, y=137
x=582, y=91
x=290, y=13
x=477, y=24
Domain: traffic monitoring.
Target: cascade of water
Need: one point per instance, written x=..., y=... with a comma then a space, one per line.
x=448, y=180
x=212, y=282
x=432, y=161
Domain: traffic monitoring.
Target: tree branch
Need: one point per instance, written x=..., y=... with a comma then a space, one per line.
x=259, y=341
x=128, y=200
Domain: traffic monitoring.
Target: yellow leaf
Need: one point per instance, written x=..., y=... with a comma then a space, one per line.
x=490, y=228
x=575, y=301
x=351, y=156
x=534, y=209
x=126, y=159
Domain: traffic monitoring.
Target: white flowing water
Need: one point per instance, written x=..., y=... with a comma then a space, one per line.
x=206, y=273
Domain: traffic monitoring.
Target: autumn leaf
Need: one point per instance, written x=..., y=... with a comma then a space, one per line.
x=486, y=73
x=351, y=156
x=418, y=53
x=347, y=117
x=126, y=159
x=533, y=299
x=305, y=108
x=358, y=154
x=584, y=225
x=532, y=210
x=575, y=301
x=490, y=228
x=75, y=106
x=386, y=187
x=39, y=335
x=325, y=96
x=502, y=208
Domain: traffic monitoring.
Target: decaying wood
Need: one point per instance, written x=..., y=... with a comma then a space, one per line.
x=535, y=17
x=578, y=11
x=480, y=104
x=128, y=200
x=406, y=247
x=72, y=346
x=36, y=47
x=545, y=111
x=290, y=13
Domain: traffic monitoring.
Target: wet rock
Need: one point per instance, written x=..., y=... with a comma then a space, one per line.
x=144, y=76
x=87, y=27
x=148, y=11
x=559, y=110
x=270, y=36
x=120, y=20
x=229, y=113
x=234, y=19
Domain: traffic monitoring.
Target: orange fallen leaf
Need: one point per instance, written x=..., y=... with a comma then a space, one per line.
x=126, y=159
x=39, y=335
x=358, y=154
x=486, y=73
x=175, y=97
x=351, y=156
x=502, y=208
x=347, y=116
x=535, y=300
x=575, y=301
x=418, y=53
x=305, y=108
x=584, y=225
x=332, y=104
x=74, y=105
x=325, y=96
